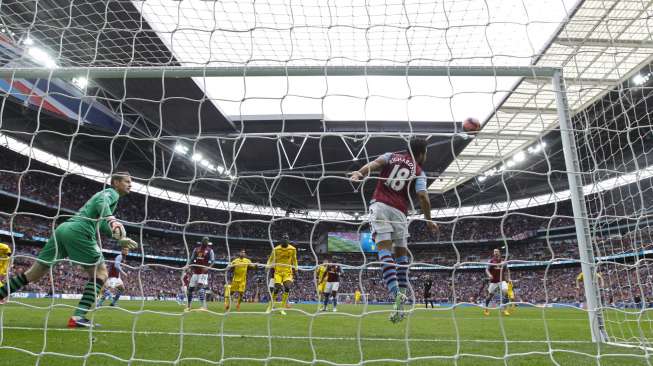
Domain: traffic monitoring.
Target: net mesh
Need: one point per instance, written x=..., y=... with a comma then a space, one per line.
x=246, y=159
x=617, y=154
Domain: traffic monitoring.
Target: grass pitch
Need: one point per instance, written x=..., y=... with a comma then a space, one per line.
x=159, y=333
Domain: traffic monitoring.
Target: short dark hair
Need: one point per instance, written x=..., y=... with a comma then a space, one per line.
x=418, y=146
x=119, y=176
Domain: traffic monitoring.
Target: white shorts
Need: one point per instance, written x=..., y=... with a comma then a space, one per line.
x=331, y=286
x=388, y=223
x=271, y=283
x=114, y=282
x=199, y=279
x=495, y=285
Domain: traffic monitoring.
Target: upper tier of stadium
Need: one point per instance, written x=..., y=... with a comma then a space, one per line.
x=182, y=143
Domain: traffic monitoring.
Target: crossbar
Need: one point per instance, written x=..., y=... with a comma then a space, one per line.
x=240, y=71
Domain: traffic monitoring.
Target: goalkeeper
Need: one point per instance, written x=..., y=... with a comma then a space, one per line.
x=77, y=239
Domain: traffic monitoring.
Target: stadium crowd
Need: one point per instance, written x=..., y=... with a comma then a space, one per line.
x=460, y=241
x=553, y=284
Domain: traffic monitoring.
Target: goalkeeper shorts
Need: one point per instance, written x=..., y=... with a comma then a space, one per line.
x=69, y=241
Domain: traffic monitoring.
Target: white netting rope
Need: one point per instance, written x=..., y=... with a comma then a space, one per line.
x=284, y=34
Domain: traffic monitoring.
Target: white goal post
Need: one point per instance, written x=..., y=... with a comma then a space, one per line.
x=555, y=74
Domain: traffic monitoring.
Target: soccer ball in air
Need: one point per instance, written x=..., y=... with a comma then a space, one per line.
x=471, y=124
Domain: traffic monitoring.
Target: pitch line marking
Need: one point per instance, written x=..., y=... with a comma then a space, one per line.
x=236, y=335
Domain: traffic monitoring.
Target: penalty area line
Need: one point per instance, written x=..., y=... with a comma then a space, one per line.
x=236, y=335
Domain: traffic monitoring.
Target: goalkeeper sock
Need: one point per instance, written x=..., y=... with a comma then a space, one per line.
x=116, y=298
x=14, y=284
x=389, y=271
x=203, y=296
x=284, y=299
x=402, y=273
x=91, y=290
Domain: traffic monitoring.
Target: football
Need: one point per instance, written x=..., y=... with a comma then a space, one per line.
x=471, y=124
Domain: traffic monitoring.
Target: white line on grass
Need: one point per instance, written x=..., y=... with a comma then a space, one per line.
x=236, y=335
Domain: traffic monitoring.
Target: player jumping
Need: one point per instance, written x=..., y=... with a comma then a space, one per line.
x=284, y=261
x=401, y=173
x=77, y=239
x=201, y=260
x=239, y=267
x=115, y=282
x=497, y=272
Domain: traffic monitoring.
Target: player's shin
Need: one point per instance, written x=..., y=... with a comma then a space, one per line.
x=105, y=295
x=203, y=296
x=284, y=297
x=91, y=290
x=325, y=300
x=402, y=273
x=14, y=284
x=117, y=296
x=273, y=296
x=190, y=296
x=335, y=300
x=389, y=271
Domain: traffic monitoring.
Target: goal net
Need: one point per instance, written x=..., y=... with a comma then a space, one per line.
x=242, y=121
x=613, y=139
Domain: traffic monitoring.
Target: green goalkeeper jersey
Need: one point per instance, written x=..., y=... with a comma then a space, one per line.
x=101, y=205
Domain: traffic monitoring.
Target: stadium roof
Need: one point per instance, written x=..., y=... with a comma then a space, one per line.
x=519, y=114
x=601, y=45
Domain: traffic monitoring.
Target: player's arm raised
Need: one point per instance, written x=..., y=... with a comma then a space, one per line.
x=424, y=202
x=365, y=170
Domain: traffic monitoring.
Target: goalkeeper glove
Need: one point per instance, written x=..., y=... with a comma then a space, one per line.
x=128, y=243
x=117, y=229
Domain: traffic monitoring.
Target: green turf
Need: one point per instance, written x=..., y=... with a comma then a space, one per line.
x=151, y=335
